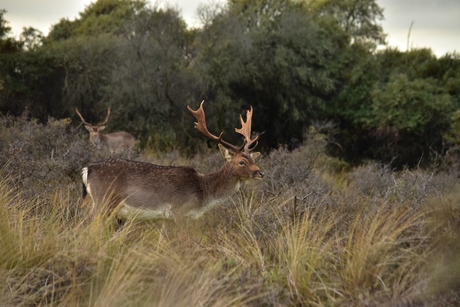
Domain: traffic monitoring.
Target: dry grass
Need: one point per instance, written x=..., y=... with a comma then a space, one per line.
x=250, y=251
x=310, y=234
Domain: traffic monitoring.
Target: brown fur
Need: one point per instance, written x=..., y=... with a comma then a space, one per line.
x=179, y=190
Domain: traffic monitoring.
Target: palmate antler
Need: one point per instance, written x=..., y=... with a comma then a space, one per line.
x=245, y=130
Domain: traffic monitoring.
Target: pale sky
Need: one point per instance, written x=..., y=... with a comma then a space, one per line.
x=436, y=24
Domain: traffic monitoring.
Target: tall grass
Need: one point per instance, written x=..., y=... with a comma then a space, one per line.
x=247, y=252
x=312, y=233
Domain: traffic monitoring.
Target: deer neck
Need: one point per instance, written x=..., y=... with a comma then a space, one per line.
x=96, y=139
x=220, y=184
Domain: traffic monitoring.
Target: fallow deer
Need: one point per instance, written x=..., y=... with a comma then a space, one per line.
x=115, y=141
x=147, y=191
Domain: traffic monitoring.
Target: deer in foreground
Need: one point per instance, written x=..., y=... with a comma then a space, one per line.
x=147, y=191
x=115, y=141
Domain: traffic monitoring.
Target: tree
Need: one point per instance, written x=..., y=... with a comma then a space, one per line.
x=359, y=18
x=10, y=85
x=64, y=29
x=150, y=85
x=7, y=44
x=275, y=56
x=410, y=117
x=108, y=16
x=396, y=106
x=99, y=17
x=31, y=38
x=86, y=51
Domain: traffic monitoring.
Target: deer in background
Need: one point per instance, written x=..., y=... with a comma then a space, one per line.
x=115, y=141
x=147, y=191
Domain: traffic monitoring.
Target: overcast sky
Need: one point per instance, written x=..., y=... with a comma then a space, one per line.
x=436, y=24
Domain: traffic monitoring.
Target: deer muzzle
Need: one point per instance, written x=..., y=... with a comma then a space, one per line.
x=259, y=174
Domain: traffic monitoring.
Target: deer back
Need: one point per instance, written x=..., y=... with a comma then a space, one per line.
x=154, y=191
x=141, y=185
x=117, y=140
x=160, y=191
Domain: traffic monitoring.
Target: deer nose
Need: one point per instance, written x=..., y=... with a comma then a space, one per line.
x=261, y=174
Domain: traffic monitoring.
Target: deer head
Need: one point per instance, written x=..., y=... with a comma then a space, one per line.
x=94, y=130
x=241, y=159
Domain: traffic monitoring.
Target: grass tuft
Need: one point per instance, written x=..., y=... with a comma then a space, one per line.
x=311, y=233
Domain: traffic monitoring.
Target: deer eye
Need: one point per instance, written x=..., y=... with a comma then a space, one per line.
x=242, y=163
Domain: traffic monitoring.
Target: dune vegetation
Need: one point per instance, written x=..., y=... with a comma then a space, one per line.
x=315, y=232
x=360, y=204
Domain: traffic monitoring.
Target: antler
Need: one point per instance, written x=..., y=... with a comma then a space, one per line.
x=82, y=119
x=101, y=124
x=106, y=118
x=201, y=126
x=245, y=131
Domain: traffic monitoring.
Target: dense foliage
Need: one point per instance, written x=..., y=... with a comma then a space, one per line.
x=298, y=63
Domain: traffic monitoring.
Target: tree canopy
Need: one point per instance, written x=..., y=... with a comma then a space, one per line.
x=298, y=63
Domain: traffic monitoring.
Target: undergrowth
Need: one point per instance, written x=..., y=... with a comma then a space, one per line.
x=312, y=233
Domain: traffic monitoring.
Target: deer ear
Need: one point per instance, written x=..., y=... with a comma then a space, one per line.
x=255, y=155
x=226, y=153
x=100, y=128
x=88, y=128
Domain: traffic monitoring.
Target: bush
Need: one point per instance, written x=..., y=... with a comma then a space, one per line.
x=38, y=158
